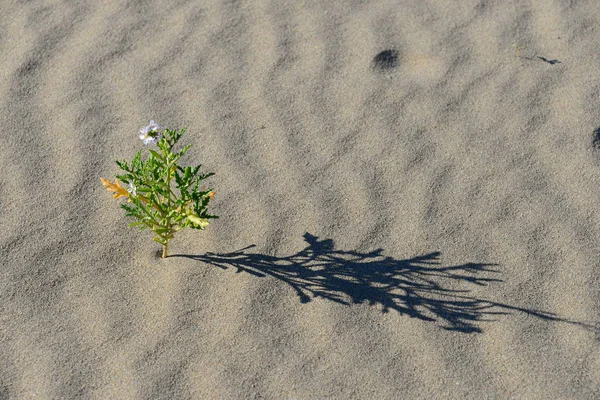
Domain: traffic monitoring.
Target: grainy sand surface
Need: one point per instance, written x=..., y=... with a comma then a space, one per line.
x=409, y=197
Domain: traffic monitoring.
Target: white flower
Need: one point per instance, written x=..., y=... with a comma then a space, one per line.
x=132, y=189
x=151, y=133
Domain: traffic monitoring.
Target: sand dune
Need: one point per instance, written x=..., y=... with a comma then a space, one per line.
x=408, y=196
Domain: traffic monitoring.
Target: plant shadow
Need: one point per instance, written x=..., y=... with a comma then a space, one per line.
x=419, y=287
x=544, y=59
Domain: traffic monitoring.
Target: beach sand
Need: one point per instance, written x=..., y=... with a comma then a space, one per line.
x=408, y=192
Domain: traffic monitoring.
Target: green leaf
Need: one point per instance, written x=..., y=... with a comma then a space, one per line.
x=178, y=178
x=160, y=240
x=200, y=222
x=126, y=178
x=155, y=154
x=123, y=165
x=131, y=225
x=183, y=151
x=136, y=163
x=128, y=208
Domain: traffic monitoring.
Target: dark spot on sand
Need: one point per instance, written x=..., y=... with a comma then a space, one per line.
x=385, y=60
x=596, y=139
x=551, y=62
x=29, y=67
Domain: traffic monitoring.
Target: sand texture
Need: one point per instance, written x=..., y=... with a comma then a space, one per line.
x=408, y=192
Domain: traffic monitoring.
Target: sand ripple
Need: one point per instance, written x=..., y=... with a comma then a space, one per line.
x=408, y=204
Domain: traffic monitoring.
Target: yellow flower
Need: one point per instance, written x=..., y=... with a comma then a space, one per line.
x=119, y=191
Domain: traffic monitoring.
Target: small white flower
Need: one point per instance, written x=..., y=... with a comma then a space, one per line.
x=132, y=189
x=151, y=133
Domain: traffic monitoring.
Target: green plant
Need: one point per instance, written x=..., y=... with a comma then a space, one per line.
x=163, y=196
x=518, y=49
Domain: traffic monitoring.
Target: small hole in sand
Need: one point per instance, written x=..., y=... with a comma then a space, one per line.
x=596, y=139
x=387, y=59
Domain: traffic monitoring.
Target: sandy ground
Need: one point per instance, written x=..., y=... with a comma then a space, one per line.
x=408, y=191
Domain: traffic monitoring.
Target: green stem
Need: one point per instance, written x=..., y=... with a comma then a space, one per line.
x=140, y=206
x=168, y=208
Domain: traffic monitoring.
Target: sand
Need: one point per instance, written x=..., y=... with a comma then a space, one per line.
x=408, y=192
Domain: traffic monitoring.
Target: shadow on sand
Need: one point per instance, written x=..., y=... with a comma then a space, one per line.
x=418, y=287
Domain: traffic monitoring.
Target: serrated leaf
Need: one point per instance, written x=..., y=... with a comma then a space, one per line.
x=178, y=179
x=123, y=165
x=183, y=151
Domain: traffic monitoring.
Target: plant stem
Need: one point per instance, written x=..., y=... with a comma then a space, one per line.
x=168, y=208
